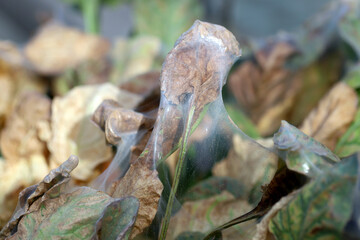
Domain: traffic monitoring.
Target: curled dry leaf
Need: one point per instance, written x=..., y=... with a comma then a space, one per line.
x=117, y=121
x=265, y=88
x=144, y=184
x=74, y=133
x=331, y=118
x=198, y=64
x=56, y=48
x=40, y=192
x=203, y=215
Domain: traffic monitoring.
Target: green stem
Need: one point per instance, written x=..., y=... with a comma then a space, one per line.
x=179, y=166
x=90, y=10
x=193, y=128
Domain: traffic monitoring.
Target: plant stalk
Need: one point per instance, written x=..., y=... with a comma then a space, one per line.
x=179, y=166
x=91, y=14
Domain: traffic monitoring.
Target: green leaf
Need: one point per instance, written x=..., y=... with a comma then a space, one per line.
x=302, y=153
x=242, y=121
x=117, y=219
x=352, y=78
x=349, y=143
x=322, y=208
x=213, y=186
x=70, y=216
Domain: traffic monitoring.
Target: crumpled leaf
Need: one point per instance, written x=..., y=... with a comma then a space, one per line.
x=133, y=57
x=23, y=132
x=194, y=63
x=203, y=215
x=322, y=208
x=144, y=184
x=302, y=153
x=56, y=48
x=330, y=119
x=258, y=170
x=116, y=121
x=49, y=187
x=74, y=133
x=349, y=143
x=117, y=219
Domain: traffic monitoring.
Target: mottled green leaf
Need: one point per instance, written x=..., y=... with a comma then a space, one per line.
x=349, y=143
x=302, y=153
x=213, y=186
x=117, y=219
x=70, y=216
x=322, y=208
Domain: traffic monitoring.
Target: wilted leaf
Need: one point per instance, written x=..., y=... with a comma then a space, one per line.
x=49, y=187
x=144, y=184
x=349, y=143
x=302, y=153
x=205, y=214
x=117, y=219
x=330, y=119
x=56, y=48
x=74, y=133
x=322, y=208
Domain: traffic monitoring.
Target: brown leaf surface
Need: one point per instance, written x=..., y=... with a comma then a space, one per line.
x=73, y=132
x=198, y=64
x=117, y=121
x=333, y=115
x=265, y=88
x=50, y=185
x=21, y=137
x=56, y=48
x=144, y=184
x=203, y=215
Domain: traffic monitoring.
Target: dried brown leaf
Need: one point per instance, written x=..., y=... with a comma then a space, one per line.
x=144, y=184
x=21, y=137
x=265, y=88
x=56, y=48
x=73, y=132
x=117, y=121
x=333, y=115
x=193, y=65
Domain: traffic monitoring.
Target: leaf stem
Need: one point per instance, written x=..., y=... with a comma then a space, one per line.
x=90, y=10
x=179, y=166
